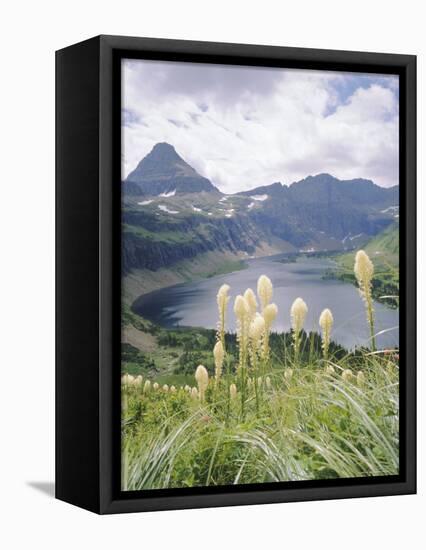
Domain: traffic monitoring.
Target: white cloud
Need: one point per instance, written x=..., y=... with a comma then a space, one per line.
x=243, y=126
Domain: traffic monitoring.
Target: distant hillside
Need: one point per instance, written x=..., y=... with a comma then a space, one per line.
x=385, y=246
x=383, y=249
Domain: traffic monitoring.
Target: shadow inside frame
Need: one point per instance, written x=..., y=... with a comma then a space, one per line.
x=253, y=487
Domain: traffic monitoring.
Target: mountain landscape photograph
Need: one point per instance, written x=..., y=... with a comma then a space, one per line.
x=260, y=275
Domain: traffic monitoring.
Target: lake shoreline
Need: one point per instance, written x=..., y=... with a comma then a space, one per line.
x=194, y=304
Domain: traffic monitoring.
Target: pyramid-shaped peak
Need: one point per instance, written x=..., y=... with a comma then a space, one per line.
x=164, y=148
x=164, y=170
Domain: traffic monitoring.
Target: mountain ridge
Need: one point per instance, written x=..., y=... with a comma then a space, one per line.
x=163, y=164
x=171, y=213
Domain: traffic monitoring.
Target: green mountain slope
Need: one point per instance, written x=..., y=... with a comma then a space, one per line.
x=383, y=250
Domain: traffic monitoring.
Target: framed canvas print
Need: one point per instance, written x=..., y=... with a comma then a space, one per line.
x=235, y=274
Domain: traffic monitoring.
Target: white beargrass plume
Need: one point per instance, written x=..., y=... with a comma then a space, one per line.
x=219, y=354
x=241, y=308
x=242, y=313
x=233, y=391
x=264, y=291
x=172, y=389
x=138, y=380
x=222, y=304
x=128, y=380
x=326, y=324
x=268, y=382
x=250, y=298
x=165, y=388
x=330, y=369
x=364, y=271
x=298, y=315
x=147, y=386
x=194, y=393
x=155, y=386
x=347, y=375
x=360, y=379
x=288, y=374
x=259, y=381
x=257, y=331
x=187, y=388
x=202, y=378
x=270, y=313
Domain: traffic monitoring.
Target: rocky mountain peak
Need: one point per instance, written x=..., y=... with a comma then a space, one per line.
x=164, y=170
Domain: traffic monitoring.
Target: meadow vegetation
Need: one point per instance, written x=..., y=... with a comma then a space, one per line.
x=264, y=407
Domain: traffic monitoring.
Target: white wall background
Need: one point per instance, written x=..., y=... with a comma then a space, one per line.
x=30, y=32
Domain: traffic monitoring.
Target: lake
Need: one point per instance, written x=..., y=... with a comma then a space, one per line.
x=194, y=304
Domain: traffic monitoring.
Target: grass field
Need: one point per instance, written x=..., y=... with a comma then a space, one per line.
x=264, y=407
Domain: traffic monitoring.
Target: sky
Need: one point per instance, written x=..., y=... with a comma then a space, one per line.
x=242, y=127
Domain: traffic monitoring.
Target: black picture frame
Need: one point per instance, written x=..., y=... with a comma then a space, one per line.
x=88, y=176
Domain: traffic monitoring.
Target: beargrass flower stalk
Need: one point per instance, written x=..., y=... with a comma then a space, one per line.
x=222, y=304
x=326, y=324
x=187, y=388
x=138, y=380
x=127, y=380
x=242, y=313
x=268, y=382
x=288, y=374
x=256, y=333
x=233, y=391
x=311, y=347
x=165, y=388
x=257, y=330
x=347, y=375
x=250, y=298
x=360, y=379
x=194, y=393
x=202, y=378
x=298, y=315
x=172, y=389
x=218, y=354
x=264, y=291
x=330, y=370
x=270, y=313
x=364, y=271
x=155, y=386
x=147, y=386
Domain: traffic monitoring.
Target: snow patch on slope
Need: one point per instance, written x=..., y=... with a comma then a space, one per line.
x=259, y=197
x=164, y=208
x=168, y=194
